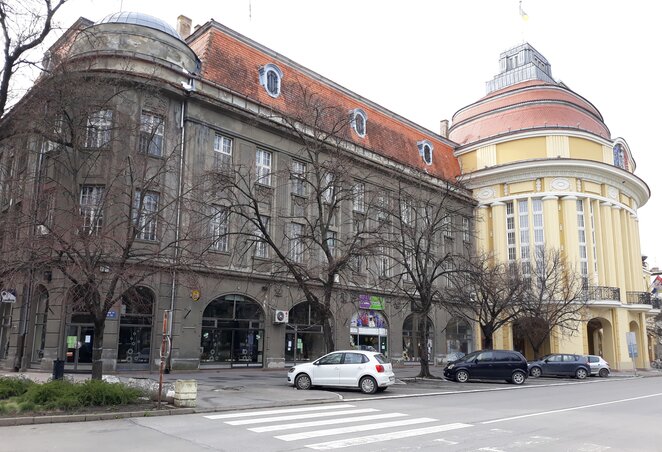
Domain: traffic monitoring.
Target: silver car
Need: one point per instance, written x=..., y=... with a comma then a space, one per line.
x=598, y=365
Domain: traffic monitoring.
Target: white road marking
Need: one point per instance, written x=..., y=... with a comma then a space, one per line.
x=491, y=449
x=353, y=429
x=445, y=441
x=262, y=420
x=236, y=414
x=346, y=420
x=563, y=410
x=363, y=440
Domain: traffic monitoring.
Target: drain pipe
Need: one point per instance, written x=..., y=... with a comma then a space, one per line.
x=180, y=188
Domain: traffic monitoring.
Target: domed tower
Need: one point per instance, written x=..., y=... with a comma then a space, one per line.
x=547, y=174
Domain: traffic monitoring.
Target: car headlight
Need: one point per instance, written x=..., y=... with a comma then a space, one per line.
x=450, y=366
x=291, y=370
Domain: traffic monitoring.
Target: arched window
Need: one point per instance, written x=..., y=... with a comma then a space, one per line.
x=425, y=148
x=270, y=78
x=359, y=122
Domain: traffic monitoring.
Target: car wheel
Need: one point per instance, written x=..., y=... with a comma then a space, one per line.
x=604, y=372
x=535, y=372
x=368, y=385
x=581, y=373
x=462, y=376
x=518, y=378
x=303, y=382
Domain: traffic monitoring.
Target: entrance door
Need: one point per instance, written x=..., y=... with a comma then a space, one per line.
x=80, y=340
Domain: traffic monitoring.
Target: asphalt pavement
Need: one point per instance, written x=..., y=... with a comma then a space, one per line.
x=249, y=388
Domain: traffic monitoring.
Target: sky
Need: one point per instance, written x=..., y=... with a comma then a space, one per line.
x=426, y=59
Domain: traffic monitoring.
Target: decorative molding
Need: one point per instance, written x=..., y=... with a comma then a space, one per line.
x=486, y=193
x=550, y=198
x=569, y=198
x=560, y=184
x=612, y=192
x=538, y=185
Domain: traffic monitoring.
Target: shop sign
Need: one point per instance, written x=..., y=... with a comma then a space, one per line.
x=111, y=314
x=8, y=296
x=373, y=302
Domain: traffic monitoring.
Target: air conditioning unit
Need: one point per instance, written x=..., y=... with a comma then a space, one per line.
x=281, y=316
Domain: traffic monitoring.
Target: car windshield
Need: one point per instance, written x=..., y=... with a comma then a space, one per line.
x=468, y=357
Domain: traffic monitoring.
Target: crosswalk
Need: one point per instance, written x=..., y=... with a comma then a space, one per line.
x=331, y=421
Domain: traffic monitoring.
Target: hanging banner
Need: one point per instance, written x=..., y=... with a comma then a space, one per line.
x=373, y=302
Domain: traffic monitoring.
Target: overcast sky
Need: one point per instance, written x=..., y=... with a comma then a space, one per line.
x=427, y=59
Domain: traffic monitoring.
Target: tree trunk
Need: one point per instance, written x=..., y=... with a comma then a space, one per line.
x=97, y=349
x=328, y=336
x=488, y=342
x=424, y=356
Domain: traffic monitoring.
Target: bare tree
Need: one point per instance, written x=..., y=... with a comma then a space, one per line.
x=321, y=233
x=420, y=235
x=554, y=302
x=487, y=292
x=99, y=202
x=25, y=24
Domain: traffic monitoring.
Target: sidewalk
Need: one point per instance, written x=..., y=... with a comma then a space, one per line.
x=238, y=389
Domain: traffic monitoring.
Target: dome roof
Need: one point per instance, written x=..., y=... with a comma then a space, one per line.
x=141, y=19
x=524, y=106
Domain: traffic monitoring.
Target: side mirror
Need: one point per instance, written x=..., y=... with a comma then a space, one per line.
x=316, y=363
x=546, y=361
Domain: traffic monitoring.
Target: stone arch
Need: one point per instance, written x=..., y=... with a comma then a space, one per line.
x=410, y=345
x=459, y=336
x=232, y=332
x=600, y=334
x=634, y=328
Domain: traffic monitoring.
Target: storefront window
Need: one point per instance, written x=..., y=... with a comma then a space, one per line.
x=369, y=331
x=304, y=340
x=410, y=339
x=5, y=326
x=232, y=332
x=459, y=336
x=135, y=335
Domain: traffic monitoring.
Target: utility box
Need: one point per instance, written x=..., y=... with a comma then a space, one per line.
x=186, y=393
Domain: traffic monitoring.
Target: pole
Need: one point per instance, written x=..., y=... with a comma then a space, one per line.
x=165, y=350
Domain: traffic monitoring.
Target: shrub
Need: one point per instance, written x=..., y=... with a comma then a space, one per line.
x=11, y=387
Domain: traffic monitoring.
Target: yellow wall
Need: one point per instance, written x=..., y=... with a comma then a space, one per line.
x=525, y=149
x=468, y=162
x=585, y=149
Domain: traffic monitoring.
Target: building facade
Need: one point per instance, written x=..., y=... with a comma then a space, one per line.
x=547, y=174
x=177, y=115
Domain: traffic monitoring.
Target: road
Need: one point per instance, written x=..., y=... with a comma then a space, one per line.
x=595, y=415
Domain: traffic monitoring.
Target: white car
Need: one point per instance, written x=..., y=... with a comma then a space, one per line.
x=368, y=371
x=598, y=366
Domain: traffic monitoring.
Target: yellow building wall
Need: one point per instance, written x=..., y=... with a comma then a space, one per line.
x=585, y=149
x=468, y=162
x=524, y=149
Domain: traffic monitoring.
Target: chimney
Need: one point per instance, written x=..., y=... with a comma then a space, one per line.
x=184, y=26
x=443, y=128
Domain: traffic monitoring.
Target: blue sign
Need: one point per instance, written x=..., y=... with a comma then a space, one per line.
x=111, y=315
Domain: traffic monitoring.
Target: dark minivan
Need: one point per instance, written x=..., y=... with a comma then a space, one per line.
x=489, y=365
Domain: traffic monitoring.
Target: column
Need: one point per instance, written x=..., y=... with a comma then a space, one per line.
x=570, y=231
x=482, y=229
x=599, y=244
x=619, y=254
x=635, y=248
x=500, y=247
x=550, y=209
x=626, y=246
x=607, y=239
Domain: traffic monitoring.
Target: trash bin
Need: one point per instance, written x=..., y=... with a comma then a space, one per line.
x=58, y=369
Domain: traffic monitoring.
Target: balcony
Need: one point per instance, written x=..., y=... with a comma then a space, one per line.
x=639, y=298
x=602, y=293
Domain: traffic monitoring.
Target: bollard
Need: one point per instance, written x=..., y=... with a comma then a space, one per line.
x=186, y=393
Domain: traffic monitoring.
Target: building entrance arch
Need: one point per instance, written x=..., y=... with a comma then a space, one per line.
x=634, y=328
x=459, y=336
x=369, y=331
x=232, y=333
x=600, y=336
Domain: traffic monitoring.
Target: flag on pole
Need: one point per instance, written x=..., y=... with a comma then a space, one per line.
x=522, y=13
x=657, y=284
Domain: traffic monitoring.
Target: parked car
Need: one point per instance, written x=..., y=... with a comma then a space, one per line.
x=366, y=370
x=598, y=365
x=488, y=365
x=454, y=356
x=560, y=364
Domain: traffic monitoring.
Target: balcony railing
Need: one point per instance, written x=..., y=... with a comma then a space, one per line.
x=600, y=293
x=639, y=298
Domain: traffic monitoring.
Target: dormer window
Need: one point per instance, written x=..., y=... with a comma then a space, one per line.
x=359, y=121
x=425, y=148
x=270, y=78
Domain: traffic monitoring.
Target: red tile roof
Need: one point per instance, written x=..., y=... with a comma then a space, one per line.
x=233, y=61
x=527, y=105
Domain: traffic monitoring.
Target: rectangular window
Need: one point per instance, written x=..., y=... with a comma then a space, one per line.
x=406, y=211
x=329, y=189
x=261, y=247
x=358, y=191
x=383, y=263
x=538, y=228
x=524, y=238
x=296, y=242
x=510, y=231
x=382, y=206
x=91, y=208
x=298, y=177
x=222, y=153
x=331, y=241
x=145, y=209
x=263, y=167
x=447, y=226
x=594, y=246
x=99, y=127
x=151, y=134
x=219, y=228
x=466, y=229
